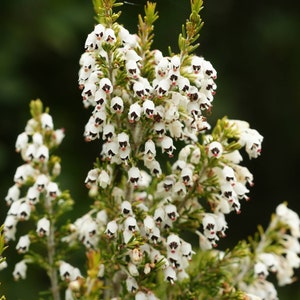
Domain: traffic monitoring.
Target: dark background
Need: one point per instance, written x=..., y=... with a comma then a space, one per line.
x=254, y=46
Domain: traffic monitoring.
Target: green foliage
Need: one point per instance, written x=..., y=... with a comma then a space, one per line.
x=104, y=11
x=190, y=32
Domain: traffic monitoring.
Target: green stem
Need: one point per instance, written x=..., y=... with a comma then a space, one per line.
x=52, y=271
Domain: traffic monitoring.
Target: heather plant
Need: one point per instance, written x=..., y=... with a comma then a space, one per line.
x=163, y=184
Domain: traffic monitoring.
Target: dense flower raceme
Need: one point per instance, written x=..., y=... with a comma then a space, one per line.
x=35, y=195
x=135, y=112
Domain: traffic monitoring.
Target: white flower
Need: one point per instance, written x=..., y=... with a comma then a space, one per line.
x=20, y=270
x=42, y=153
x=167, y=145
x=43, y=227
x=106, y=85
x=3, y=265
x=47, y=122
x=290, y=217
x=132, y=269
x=100, y=99
x=171, y=212
x=162, y=88
x=13, y=194
x=109, y=36
x=91, y=177
x=215, y=149
x=22, y=173
x=186, y=250
x=21, y=142
x=134, y=176
x=260, y=270
x=116, y=105
x=126, y=208
x=41, y=182
x=23, y=244
x=104, y=179
x=67, y=272
x=173, y=243
x=149, y=108
x=52, y=190
x=131, y=284
x=10, y=227
x=24, y=211
x=149, y=224
x=108, y=132
x=111, y=228
x=134, y=113
x=133, y=71
x=170, y=274
x=130, y=224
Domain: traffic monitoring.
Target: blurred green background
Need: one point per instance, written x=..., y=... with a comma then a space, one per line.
x=254, y=45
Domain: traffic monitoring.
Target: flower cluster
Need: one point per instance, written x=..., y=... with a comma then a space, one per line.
x=163, y=179
x=143, y=101
x=277, y=252
x=35, y=195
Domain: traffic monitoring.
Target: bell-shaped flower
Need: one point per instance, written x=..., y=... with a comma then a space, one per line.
x=47, y=121
x=42, y=153
x=260, y=270
x=22, y=173
x=150, y=150
x=43, y=227
x=52, y=190
x=100, y=99
x=134, y=113
x=108, y=132
x=21, y=142
x=23, y=244
x=153, y=166
x=98, y=31
x=106, y=85
x=196, y=64
x=41, y=182
x=132, y=269
x=186, y=250
x=123, y=141
x=160, y=129
x=215, y=149
x=58, y=136
x=134, y=176
x=162, y=69
x=109, y=36
x=111, y=229
x=90, y=42
x=30, y=153
x=91, y=177
x=67, y=272
x=149, y=108
x=170, y=275
x=116, y=105
x=133, y=72
x=131, y=284
x=24, y=211
x=126, y=208
x=13, y=194
x=167, y=145
x=162, y=88
x=10, y=228
x=173, y=243
x=104, y=179
x=20, y=270
x=159, y=215
x=171, y=212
